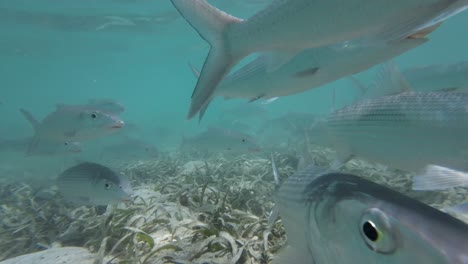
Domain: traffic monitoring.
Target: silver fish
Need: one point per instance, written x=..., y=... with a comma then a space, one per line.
x=72, y=123
x=340, y=218
x=286, y=27
x=43, y=147
x=219, y=139
x=93, y=184
x=408, y=130
x=309, y=69
x=439, y=77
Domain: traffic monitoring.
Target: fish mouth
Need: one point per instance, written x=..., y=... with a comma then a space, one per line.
x=116, y=126
x=127, y=199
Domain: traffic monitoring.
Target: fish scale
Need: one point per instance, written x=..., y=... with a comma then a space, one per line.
x=407, y=131
x=415, y=107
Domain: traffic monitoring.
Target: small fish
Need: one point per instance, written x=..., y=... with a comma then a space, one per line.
x=93, y=184
x=218, y=139
x=408, y=130
x=72, y=123
x=439, y=77
x=309, y=69
x=43, y=147
x=332, y=217
x=287, y=27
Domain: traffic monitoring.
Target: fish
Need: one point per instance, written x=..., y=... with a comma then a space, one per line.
x=129, y=147
x=90, y=183
x=218, y=139
x=439, y=77
x=43, y=148
x=72, y=123
x=408, y=130
x=332, y=217
x=286, y=27
x=310, y=69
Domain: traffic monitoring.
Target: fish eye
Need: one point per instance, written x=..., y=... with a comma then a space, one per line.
x=369, y=230
x=66, y=143
x=377, y=231
x=107, y=185
x=94, y=115
x=243, y=140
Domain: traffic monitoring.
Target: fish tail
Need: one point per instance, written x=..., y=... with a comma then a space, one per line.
x=203, y=110
x=195, y=71
x=438, y=178
x=213, y=26
x=32, y=146
x=34, y=122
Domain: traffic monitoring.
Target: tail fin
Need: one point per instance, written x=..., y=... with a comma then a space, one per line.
x=194, y=70
x=438, y=178
x=212, y=25
x=34, y=122
x=203, y=110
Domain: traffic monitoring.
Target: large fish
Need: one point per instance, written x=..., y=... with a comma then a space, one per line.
x=408, y=130
x=93, y=184
x=341, y=218
x=286, y=27
x=221, y=140
x=309, y=69
x=72, y=123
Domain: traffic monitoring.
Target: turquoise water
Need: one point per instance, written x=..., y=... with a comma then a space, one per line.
x=66, y=52
x=144, y=67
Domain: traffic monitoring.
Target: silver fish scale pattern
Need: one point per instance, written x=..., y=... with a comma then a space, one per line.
x=431, y=109
x=293, y=189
